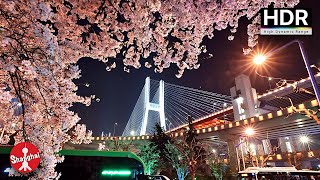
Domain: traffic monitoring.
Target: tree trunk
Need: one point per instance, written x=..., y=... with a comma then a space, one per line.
x=192, y=173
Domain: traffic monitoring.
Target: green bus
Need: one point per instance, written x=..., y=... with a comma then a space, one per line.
x=88, y=165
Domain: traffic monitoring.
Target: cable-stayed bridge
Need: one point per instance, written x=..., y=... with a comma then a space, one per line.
x=273, y=121
x=169, y=105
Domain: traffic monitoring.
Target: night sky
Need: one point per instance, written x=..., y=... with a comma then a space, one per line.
x=118, y=91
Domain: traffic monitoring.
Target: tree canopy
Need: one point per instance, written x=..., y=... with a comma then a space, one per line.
x=41, y=42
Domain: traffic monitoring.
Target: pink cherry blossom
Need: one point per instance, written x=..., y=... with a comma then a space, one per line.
x=41, y=42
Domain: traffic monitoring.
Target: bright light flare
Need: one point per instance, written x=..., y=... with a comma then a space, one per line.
x=304, y=139
x=249, y=131
x=132, y=133
x=253, y=61
x=259, y=59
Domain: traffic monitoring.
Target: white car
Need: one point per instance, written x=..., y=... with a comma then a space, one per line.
x=157, y=177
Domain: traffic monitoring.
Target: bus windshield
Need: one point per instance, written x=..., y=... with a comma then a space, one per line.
x=85, y=164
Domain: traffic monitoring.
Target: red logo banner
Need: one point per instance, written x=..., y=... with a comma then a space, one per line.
x=24, y=157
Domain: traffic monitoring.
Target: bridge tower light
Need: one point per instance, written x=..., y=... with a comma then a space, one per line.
x=149, y=106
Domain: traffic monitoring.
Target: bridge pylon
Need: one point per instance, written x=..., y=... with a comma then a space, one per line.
x=149, y=106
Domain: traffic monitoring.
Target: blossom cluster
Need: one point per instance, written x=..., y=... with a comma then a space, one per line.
x=80, y=135
x=41, y=42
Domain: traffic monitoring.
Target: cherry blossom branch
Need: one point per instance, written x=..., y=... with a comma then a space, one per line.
x=18, y=93
x=271, y=154
x=307, y=112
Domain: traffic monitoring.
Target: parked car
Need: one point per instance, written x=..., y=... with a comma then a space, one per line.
x=157, y=177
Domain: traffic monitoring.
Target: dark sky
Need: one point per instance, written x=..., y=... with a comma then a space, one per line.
x=119, y=90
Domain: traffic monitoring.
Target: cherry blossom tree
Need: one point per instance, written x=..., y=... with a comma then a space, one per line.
x=41, y=42
x=115, y=144
x=80, y=135
x=36, y=84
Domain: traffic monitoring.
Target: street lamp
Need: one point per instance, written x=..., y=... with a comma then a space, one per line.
x=214, y=151
x=260, y=59
x=249, y=131
x=305, y=140
x=114, y=128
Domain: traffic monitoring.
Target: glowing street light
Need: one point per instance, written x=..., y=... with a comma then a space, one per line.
x=132, y=133
x=259, y=59
x=249, y=131
x=214, y=151
x=305, y=140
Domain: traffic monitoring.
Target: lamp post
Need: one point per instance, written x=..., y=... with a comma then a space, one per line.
x=242, y=154
x=114, y=128
x=249, y=132
x=261, y=58
x=214, y=152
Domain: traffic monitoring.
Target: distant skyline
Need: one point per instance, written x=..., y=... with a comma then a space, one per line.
x=118, y=91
